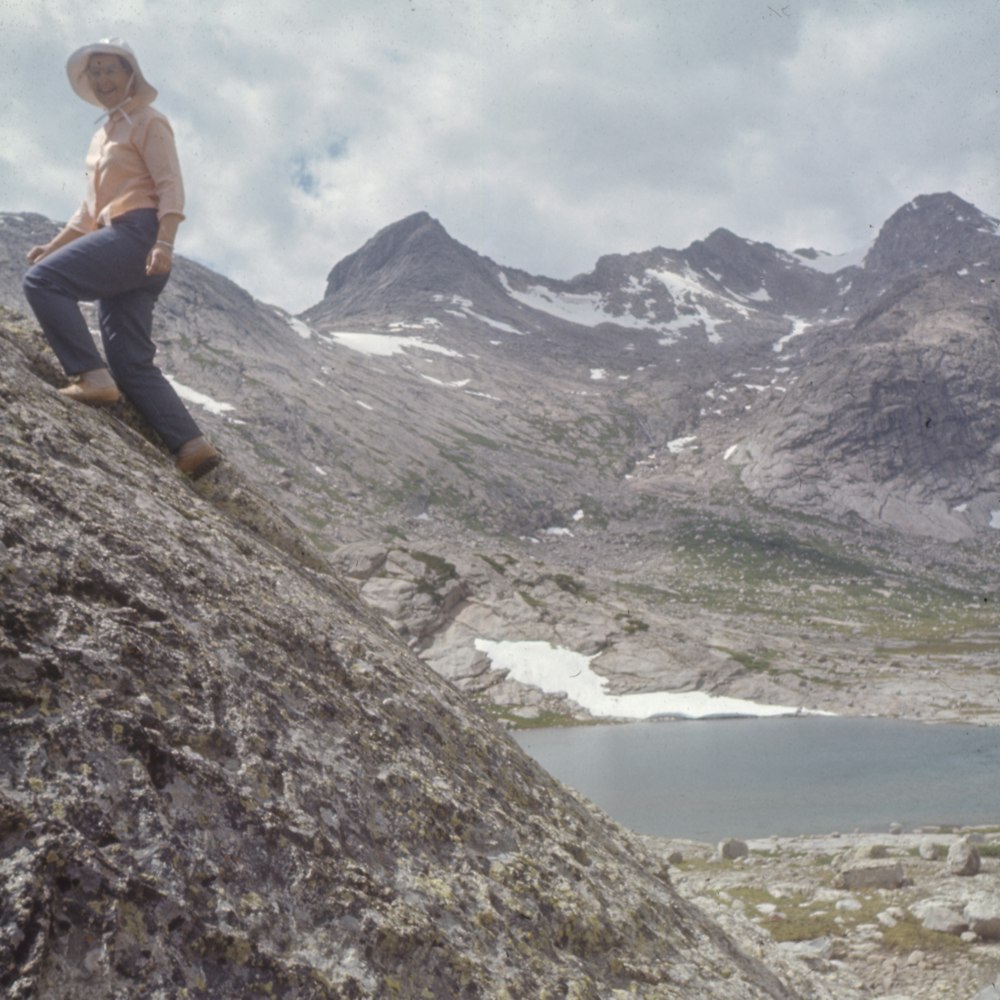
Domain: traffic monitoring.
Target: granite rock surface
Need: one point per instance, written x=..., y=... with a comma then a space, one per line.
x=221, y=776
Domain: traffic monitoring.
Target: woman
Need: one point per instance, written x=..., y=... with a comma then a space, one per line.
x=118, y=249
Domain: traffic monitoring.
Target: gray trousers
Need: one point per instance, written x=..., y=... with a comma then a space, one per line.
x=109, y=266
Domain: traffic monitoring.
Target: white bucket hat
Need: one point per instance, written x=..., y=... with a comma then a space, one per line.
x=76, y=70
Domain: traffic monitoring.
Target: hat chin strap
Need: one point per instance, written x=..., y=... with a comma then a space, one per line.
x=120, y=107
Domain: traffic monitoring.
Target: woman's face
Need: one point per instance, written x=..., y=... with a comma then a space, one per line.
x=110, y=78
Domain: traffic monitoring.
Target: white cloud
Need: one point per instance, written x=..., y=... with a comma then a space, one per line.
x=541, y=135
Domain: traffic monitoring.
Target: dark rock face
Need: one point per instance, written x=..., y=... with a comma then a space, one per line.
x=403, y=265
x=898, y=417
x=223, y=778
x=932, y=232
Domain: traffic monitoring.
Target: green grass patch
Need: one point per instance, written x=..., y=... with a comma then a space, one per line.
x=910, y=935
x=478, y=439
x=749, y=661
x=544, y=720
x=498, y=564
x=570, y=585
x=531, y=601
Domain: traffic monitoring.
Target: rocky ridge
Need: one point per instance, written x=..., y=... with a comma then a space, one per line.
x=224, y=777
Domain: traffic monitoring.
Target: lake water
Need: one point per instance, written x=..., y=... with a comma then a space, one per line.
x=751, y=778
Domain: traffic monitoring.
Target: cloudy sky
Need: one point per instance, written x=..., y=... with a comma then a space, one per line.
x=541, y=133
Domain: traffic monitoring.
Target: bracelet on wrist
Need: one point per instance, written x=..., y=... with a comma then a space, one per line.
x=164, y=243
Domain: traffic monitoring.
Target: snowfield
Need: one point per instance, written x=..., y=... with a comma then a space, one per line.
x=555, y=670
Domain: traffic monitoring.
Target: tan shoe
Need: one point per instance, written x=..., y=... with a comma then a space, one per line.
x=95, y=387
x=196, y=457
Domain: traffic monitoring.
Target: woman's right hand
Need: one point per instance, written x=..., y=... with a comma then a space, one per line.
x=35, y=254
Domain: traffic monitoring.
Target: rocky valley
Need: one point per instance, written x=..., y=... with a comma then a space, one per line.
x=734, y=469
x=246, y=725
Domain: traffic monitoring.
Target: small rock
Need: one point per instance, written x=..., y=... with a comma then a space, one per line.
x=895, y=828
x=982, y=912
x=874, y=874
x=928, y=850
x=849, y=903
x=866, y=851
x=815, y=953
x=963, y=858
x=731, y=850
x=943, y=919
x=526, y=711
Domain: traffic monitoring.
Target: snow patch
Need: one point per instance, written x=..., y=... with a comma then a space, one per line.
x=461, y=384
x=678, y=445
x=556, y=670
x=303, y=329
x=799, y=327
x=828, y=263
x=495, y=323
x=427, y=321
x=384, y=345
x=199, y=398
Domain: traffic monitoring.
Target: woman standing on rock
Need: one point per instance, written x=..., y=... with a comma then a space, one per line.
x=117, y=249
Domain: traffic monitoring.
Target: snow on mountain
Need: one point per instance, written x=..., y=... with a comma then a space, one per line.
x=582, y=308
x=826, y=263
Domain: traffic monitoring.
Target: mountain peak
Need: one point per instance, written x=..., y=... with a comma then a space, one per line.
x=398, y=239
x=933, y=230
x=405, y=264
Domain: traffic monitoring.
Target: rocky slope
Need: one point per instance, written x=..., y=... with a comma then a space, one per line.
x=223, y=777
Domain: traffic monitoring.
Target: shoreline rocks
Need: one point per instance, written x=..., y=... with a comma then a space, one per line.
x=856, y=916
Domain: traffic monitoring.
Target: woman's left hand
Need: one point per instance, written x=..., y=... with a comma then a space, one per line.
x=160, y=260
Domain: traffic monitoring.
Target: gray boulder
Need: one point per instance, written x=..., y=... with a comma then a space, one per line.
x=873, y=874
x=982, y=911
x=941, y=916
x=733, y=850
x=963, y=858
x=929, y=850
